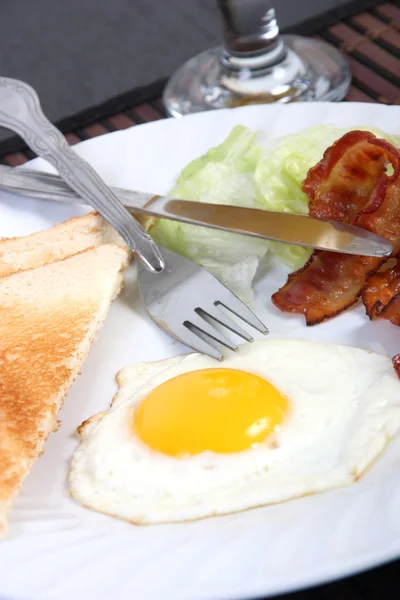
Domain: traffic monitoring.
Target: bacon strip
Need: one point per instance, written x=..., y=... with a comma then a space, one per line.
x=382, y=295
x=391, y=311
x=341, y=184
x=350, y=185
x=328, y=284
x=380, y=289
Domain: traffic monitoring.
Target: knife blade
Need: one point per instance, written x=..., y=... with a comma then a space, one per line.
x=298, y=230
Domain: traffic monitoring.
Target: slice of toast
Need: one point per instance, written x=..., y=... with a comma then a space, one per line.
x=48, y=318
x=56, y=243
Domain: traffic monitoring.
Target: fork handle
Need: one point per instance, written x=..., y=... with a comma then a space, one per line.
x=21, y=112
x=47, y=186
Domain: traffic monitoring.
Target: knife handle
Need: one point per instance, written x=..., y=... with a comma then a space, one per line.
x=21, y=112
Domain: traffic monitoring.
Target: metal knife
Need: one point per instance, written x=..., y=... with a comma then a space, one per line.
x=281, y=227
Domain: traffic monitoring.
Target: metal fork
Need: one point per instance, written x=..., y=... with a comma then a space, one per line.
x=188, y=302
x=183, y=299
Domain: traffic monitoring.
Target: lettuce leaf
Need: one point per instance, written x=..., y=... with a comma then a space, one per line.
x=224, y=175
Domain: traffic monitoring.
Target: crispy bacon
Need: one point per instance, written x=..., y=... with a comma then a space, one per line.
x=391, y=312
x=340, y=185
x=380, y=289
x=328, y=284
x=382, y=295
x=350, y=185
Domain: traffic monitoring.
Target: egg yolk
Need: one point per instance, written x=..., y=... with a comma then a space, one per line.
x=221, y=410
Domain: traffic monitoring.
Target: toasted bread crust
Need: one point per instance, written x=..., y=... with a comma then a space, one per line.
x=57, y=243
x=48, y=318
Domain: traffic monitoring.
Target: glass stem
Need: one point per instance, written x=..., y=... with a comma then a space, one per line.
x=251, y=35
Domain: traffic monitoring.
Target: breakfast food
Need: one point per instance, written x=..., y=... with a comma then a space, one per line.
x=186, y=439
x=49, y=316
x=56, y=243
x=349, y=184
x=255, y=169
x=381, y=295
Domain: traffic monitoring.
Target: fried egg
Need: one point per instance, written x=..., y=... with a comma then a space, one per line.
x=188, y=437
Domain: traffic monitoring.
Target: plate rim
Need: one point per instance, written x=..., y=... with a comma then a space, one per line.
x=330, y=575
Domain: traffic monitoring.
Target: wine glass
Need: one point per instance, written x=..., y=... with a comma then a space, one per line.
x=256, y=65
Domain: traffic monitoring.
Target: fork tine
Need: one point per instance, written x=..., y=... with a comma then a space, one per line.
x=215, y=313
x=241, y=310
x=197, y=322
x=194, y=341
x=172, y=299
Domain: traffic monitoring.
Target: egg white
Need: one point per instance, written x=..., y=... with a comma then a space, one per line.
x=344, y=407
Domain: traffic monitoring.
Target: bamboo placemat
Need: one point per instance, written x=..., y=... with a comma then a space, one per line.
x=368, y=33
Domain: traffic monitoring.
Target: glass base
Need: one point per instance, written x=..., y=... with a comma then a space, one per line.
x=311, y=70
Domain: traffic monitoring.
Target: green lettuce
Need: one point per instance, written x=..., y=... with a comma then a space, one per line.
x=224, y=175
x=252, y=170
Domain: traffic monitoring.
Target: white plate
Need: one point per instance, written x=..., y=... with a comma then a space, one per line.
x=59, y=550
